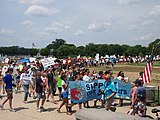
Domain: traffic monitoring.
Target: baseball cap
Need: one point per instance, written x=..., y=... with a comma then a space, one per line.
x=137, y=81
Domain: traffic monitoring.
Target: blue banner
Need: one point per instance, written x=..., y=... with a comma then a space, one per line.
x=82, y=91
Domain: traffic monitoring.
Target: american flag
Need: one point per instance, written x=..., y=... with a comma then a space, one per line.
x=33, y=45
x=148, y=70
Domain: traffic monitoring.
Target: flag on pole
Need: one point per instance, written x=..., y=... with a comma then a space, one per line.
x=148, y=70
x=33, y=45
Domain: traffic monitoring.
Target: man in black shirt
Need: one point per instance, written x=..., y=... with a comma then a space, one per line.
x=51, y=84
x=40, y=92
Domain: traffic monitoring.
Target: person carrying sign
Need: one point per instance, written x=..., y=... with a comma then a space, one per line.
x=109, y=92
x=25, y=81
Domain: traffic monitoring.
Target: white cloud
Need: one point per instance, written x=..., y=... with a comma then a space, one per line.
x=37, y=10
x=148, y=22
x=155, y=11
x=146, y=37
x=27, y=22
x=99, y=26
x=42, y=33
x=42, y=2
x=133, y=27
x=58, y=26
x=79, y=32
x=127, y=2
x=6, y=31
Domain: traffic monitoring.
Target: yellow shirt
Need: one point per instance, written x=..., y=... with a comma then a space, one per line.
x=20, y=67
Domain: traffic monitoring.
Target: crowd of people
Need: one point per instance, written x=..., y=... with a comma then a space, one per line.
x=43, y=84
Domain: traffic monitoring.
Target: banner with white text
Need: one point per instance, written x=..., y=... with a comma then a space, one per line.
x=82, y=91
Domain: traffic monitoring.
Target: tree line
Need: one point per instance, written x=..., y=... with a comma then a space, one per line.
x=60, y=49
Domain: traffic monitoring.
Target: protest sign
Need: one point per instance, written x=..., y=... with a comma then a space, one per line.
x=82, y=91
x=123, y=89
x=32, y=59
x=46, y=62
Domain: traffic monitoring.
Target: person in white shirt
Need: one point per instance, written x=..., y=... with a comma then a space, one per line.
x=86, y=78
x=32, y=73
x=120, y=76
x=25, y=81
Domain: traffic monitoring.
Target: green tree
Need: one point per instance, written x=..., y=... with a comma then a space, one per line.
x=91, y=49
x=55, y=45
x=80, y=50
x=66, y=51
x=44, y=52
x=156, y=45
x=33, y=52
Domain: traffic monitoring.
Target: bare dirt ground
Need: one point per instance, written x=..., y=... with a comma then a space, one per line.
x=29, y=112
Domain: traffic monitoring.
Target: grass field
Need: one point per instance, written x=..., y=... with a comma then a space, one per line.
x=132, y=71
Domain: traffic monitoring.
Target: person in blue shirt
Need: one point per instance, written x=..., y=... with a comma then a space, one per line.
x=109, y=92
x=7, y=86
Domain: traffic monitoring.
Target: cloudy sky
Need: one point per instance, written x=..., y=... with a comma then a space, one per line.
x=132, y=22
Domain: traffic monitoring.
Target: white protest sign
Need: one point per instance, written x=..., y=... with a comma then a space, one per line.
x=32, y=59
x=97, y=57
x=48, y=62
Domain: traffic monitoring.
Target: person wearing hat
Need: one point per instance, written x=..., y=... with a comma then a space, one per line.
x=138, y=99
x=137, y=83
x=32, y=73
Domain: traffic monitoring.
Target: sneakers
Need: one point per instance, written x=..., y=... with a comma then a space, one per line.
x=95, y=103
x=12, y=110
x=69, y=108
x=41, y=109
x=38, y=110
x=113, y=110
x=1, y=107
x=34, y=97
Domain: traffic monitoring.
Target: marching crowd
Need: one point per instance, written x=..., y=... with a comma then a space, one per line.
x=42, y=85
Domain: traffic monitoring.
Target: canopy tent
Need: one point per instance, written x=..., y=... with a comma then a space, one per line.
x=24, y=60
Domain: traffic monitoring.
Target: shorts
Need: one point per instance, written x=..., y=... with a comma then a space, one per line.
x=60, y=88
x=41, y=96
x=64, y=94
x=52, y=90
x=9, y=93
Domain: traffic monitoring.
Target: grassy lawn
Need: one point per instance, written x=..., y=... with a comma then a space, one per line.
x=132, y=71
x=156, y=97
